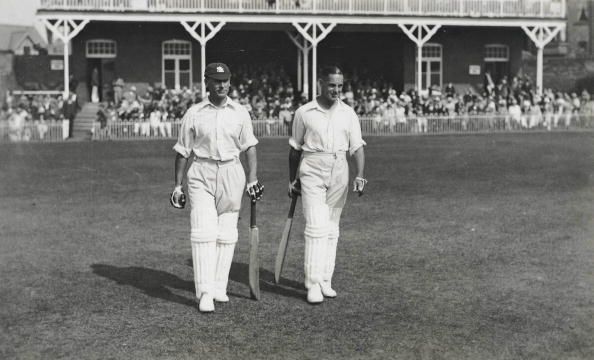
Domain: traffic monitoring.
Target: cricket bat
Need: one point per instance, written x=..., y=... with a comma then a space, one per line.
x=284, y=241
x=254, y=266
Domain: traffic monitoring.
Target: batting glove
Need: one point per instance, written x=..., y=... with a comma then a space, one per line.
x=295, y=188
x=178, y=198
x=255, y=190
x=359, y=184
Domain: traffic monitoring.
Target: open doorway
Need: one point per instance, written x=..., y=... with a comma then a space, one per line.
x=100, y=54
x=101, y=73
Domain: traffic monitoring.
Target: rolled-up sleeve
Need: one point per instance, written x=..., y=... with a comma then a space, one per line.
x=298, y=137
x=185, y=139
x=355, y=138
x=247, y=138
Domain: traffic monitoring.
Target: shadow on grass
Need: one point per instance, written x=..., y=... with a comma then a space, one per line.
x=152, y=282
x=240, y=273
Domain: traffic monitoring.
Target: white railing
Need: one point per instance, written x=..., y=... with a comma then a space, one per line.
x=35, y=92
x=474, y=8
x=55, y=131
x=427, y=125
x=34, y=131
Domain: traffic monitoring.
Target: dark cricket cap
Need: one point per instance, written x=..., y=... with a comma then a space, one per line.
x=218, y=71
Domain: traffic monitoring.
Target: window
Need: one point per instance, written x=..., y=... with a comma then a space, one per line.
x=496, y=52
x=177, y=64
x=177, y=47
x=431, y=66
x=101, y=48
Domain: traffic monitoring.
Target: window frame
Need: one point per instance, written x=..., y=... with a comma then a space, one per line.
x=426, y=62
x=176, y=57
x=107, y=44
x=488, y=58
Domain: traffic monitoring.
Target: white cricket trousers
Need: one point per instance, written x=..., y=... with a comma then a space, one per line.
x=215, y=189
x=324, y=187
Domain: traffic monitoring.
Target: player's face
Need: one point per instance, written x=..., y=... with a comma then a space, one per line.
x=332, y=87
x=218, y=89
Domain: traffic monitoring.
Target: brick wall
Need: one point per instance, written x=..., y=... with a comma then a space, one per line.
x=462, y=47
x=365, y=51
x=33, y=72
x=563, y=74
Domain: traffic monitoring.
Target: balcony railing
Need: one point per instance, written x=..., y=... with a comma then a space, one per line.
x=456, y=8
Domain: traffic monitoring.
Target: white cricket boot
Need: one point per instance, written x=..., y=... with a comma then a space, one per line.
x=327, y=289
x=314, y=294
x=206, y=303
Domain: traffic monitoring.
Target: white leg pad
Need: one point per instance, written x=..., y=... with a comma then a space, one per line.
x=203, y=238
x=316, y=238
x=333, y=233
x=204, y=261
x=227, y=235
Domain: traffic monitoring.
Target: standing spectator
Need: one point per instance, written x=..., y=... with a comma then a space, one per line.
x=118, y=90
x=95, y=85
x=535, y=115
x=389, y=115
x=548, y=110
x=515, y=113
x=569, y=106
x=69, y=111
x=16, y=123
x=450, y=91
x=286, y=114
x=72, y=83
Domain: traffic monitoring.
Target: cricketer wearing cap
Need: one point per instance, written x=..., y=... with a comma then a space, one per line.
x=213, y=133
x=324, y=131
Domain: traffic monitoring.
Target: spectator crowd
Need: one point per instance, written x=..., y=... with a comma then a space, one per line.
x=268, y=94
x=26, y=117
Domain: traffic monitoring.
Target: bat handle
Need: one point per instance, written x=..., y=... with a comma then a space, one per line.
x=293, y=204
x=253, y=214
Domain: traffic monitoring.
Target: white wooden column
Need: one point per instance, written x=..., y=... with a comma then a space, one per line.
x=420, y=34
x=207, y=31
x=309, y=31
x=65, y=30
x=302, y=61
x=541, y=35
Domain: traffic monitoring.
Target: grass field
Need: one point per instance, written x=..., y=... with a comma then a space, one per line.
x=464, y=247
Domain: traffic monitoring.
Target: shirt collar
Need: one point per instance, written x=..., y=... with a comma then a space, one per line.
x=206, y=102
x=314, y=105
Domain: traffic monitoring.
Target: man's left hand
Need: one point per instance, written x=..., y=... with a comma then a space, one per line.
x=255, y=190
x=359, y=184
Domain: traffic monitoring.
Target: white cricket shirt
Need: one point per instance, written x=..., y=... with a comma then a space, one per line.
x=318, y=130
x=216, y=133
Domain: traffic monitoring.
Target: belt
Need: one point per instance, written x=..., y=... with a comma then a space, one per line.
x=216, y=162
x=335, y=155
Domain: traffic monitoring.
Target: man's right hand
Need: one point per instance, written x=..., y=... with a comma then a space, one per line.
x=294, y=188
x=178, y=198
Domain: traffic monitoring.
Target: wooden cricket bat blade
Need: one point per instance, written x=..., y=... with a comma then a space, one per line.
x=282, y=250
x=284, y=241
x=254, y=267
